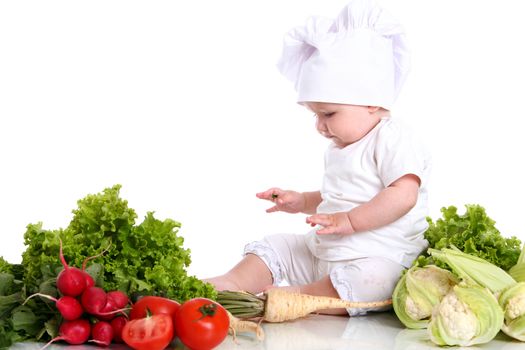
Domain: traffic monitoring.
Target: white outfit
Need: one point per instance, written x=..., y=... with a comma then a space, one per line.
x=354, y=175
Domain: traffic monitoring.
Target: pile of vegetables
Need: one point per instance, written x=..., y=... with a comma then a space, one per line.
x=87, y=312
x=460, y=290
x=468, y=286
x=137, y=259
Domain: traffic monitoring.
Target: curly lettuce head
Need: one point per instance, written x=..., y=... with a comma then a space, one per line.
x=148, y=258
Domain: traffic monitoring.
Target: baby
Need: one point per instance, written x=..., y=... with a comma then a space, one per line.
x=368, y=218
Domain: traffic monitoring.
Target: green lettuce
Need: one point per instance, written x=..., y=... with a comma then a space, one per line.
x=11, y=297
x=473, y=233
x=5, y=266
x=140, y=259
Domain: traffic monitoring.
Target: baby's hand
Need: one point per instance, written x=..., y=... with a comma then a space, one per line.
x=287, y=201
x=337, y=223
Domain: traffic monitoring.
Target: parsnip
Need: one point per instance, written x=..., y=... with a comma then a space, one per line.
x=278, y=305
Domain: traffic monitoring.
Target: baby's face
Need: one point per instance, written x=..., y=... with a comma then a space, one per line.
x=344, y=124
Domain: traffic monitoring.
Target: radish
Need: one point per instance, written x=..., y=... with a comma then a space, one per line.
x=118, y=299
x=70, y=281
x=73, y=332
x=96, y=302
x=118, y=324
x=102, y=333
x=69, y=307
x=90, y=282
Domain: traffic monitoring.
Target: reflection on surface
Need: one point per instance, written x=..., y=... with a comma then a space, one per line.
x=62, y=346
x=319, y=332
x=380, y=331
x=413, y=339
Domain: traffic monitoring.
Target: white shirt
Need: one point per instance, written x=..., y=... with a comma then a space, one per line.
x=354, y=175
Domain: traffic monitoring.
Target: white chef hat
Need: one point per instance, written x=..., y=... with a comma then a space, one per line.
x=360, y=58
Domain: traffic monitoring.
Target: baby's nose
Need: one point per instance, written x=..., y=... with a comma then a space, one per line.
x=321, y=127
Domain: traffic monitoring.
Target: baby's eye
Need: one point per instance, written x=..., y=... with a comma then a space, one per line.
x=329, y=114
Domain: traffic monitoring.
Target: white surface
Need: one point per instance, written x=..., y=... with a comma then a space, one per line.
x=319, y=332
x=181, y=103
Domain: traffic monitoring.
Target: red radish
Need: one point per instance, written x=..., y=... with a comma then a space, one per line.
x=110, y=309
x=95, y=301
x=118, y=324
x=102, y=333
x=69, y=307
x=73, y=332
x=90, y=282
x=70, y=281
x=118, y=299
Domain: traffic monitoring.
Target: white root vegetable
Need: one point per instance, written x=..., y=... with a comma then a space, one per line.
x=278, y=305
x=284, y=306
x=244, y=326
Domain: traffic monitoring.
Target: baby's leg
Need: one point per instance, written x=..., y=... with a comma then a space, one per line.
x=251, y=275
x=366, y=279
x=266, y=263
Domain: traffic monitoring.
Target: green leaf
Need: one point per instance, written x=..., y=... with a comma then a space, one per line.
x=8, y=303
x=25, y=320
x=5, y=267
x=474, y=233
x=7, y=281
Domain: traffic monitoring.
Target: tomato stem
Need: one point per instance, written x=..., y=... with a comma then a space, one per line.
x=207, y=310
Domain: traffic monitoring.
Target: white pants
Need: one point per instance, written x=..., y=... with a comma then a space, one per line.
x=364, y=279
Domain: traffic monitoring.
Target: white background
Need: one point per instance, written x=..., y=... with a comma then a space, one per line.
x=181, y=103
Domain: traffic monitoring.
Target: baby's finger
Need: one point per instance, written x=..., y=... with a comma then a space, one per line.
x=270, y=194
x=327, y=230
x=323, y=220
x=272, y=209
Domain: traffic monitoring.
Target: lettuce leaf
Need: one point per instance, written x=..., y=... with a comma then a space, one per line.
x=5, y=266
x=474, y=233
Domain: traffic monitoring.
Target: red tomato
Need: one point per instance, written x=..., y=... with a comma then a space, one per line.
x=201, y=324
x=155, y=305
x=149, y=333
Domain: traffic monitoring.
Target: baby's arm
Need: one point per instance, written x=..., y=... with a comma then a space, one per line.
x=386, y=207
x=291, y=201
